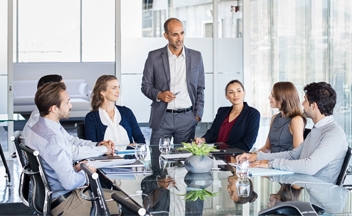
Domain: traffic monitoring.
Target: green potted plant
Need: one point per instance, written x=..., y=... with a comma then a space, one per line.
x=199, y=161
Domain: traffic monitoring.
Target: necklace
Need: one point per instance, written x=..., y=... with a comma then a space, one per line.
x=111, y=114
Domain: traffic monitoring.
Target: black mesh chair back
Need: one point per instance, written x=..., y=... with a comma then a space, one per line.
x=7, y=170
x=16, y=139
x=99, y=204
x=80, y=130
x=41, y=197
x=24, y=187
x=341, y=178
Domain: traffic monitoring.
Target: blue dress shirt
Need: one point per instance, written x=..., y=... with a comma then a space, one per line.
x=49, y=139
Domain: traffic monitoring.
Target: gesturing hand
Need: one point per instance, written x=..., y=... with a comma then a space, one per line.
x=166, y=96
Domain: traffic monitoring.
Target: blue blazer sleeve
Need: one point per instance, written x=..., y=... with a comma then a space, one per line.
x=129, y=122
x=92, y=128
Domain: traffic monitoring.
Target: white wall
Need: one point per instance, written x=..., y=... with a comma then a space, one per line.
x=3, y=57
x=134, y=54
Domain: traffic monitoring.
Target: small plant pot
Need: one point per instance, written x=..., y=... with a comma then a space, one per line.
x=198, y=164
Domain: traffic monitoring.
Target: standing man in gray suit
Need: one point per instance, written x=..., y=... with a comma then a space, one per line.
x=173, y=78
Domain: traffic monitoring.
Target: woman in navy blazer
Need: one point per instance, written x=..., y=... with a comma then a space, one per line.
x=109, y=121
x=237, y=125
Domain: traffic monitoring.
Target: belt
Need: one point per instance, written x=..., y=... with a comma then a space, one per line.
x=179, y=110
x=60, y=199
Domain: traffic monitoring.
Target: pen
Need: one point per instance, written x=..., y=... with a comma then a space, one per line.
x=176, y=188
x=177, y=93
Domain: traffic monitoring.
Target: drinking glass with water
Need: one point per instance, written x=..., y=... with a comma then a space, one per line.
x=141, y=151
x=164, y=145
x=242, y=168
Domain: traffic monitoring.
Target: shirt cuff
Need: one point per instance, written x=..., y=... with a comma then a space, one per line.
x=157, y=100
x=102, y=149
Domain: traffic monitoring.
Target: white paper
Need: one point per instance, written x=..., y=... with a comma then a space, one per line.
x=220, y=162
x=175, y=156
x=266, y=172
x=110, y=163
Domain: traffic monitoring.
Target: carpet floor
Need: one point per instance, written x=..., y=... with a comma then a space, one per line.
x=14, y=209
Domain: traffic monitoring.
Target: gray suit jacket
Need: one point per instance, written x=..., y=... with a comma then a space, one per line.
x=156, y=78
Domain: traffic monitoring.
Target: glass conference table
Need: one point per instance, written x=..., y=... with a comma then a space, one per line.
x=166, y=188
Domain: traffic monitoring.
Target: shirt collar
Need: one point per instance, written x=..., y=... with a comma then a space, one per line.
x=50, y=123
x=171, y=54
x=326, y=120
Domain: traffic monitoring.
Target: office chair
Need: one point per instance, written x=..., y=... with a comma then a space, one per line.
x=293, y=208
x=100, y=207
x=41, y=197
x=7, y=170
x=24, y=188
x=80, y=130
x=344, y=168
x=16, y=139
x=127, y=204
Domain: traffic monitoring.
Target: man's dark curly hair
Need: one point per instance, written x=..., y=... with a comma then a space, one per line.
x=323, y=95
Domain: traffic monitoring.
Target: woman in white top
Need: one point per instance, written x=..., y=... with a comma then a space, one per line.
x=108, y=121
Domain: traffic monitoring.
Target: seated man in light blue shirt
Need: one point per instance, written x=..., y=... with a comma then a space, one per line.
x=323, y=151
x=48, y=137
x=80, y=148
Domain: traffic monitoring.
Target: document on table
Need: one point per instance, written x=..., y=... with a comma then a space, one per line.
x=176, y=156
x=111, y=163
x=220, y=162
x=266, y=172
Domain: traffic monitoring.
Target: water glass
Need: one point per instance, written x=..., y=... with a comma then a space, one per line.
x=164, y=145
x=242, y=168
x=141, y=151
x=243, y=187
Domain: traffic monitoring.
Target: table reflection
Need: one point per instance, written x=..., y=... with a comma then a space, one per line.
x=330, y=197
x=165, y=190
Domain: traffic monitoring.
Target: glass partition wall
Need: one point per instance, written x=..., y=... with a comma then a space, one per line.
x=301, y=41
x=296, y=40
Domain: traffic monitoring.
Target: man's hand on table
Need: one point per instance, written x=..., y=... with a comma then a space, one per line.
x=110, y=146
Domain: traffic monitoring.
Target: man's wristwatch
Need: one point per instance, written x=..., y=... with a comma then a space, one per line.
x=270, y=164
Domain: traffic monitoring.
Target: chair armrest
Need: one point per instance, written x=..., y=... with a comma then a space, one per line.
x=28, y=172
x=88, y=198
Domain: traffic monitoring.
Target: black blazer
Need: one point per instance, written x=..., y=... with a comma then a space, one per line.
x=243, y=133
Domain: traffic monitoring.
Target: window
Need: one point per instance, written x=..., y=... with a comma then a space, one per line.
x=56, y=31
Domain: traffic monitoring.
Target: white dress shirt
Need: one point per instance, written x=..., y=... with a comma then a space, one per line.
x=178, y=81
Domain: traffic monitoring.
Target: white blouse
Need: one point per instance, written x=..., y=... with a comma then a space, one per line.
x=114, y=131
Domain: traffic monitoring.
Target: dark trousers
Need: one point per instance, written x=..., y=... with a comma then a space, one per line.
x=180, y=126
